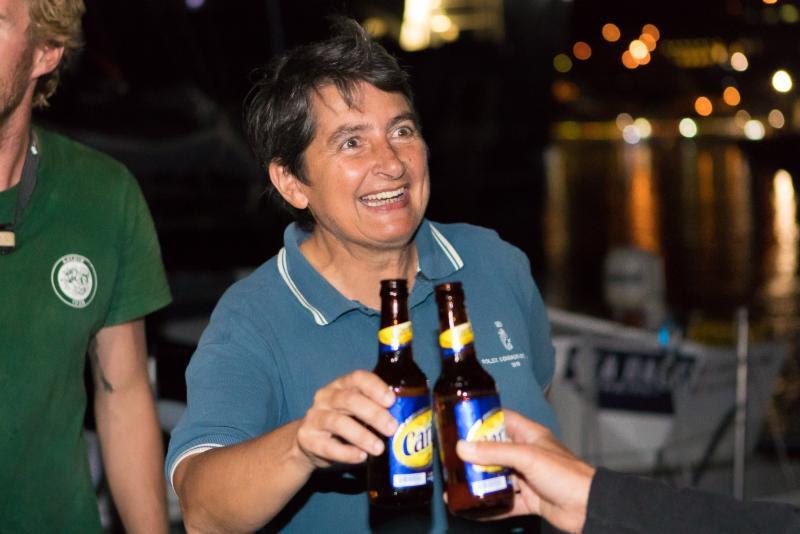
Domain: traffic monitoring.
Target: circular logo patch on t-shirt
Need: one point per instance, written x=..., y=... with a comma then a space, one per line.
x=74, y=280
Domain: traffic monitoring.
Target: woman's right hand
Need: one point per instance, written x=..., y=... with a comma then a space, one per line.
x=335, y=428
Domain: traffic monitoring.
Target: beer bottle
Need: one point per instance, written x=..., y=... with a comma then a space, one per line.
x=467, y=407
x=402, y=476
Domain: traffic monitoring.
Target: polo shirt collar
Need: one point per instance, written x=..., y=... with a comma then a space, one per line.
x=437, y=259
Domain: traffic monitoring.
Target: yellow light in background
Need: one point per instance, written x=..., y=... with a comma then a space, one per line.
x=376, y=27
x=651, y=30
x=562, y=63
x=638, y=50
x=687, y=127
x=581, y=50
x=719, y=53
x=739, y=62
x=415, y=30
x=623, y=120
x=648, y=40
x=789, y=14
x=786, y=234
x=451, y=34
x=776, y=119
x=781, y=81
x=703, y=106
x=611, y=32
x=741, y=118
x=731, y=96
x=754, y=130
x=628, y=61
x=440, y=23
x=644, y=127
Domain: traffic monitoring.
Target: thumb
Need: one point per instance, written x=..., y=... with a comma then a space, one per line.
x=493, y=453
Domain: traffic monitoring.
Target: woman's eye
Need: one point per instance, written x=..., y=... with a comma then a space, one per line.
x=350, y=143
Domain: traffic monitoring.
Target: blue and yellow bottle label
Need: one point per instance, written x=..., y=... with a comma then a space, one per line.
x=481, y=419
x=411, y=446
x=455, y=339
x=395, y=337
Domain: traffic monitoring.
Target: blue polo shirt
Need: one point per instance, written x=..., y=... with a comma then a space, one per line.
x=284, y=332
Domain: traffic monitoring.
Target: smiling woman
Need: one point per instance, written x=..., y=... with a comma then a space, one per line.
x=280, y=415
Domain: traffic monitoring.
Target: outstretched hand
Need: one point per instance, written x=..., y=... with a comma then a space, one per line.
x=552, y=482
x=334, y=430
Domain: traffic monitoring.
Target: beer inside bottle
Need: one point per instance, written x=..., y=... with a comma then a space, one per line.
x=403, y=475
x=467, y=407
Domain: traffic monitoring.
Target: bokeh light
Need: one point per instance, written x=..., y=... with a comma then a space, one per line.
x=638, y=49
x=643, y=127
x=741, y=118
x=687, y=127
x=581, y=50
x=623, y=120
x=628, y=61
x=562, y=63
x=731, y=96
x=651, y=30
x=754, y=130
x=703, y=106
x=781, y=81
x=776, y=119
x=611, y=32
x=789, y=14
x=648, y=40
x=631, y=134
x=739, y=62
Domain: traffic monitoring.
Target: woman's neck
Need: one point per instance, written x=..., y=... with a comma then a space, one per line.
x=356, y=271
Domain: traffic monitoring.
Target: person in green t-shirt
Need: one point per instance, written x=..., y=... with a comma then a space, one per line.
x=80, y=266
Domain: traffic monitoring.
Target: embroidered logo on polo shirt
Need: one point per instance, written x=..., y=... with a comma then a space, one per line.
x=74, y=280
x=503, y=335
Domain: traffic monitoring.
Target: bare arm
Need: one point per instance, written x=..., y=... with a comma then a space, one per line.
x=242, y=487
x=127, y=424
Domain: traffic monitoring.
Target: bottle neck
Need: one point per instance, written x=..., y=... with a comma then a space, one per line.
x=395, y=333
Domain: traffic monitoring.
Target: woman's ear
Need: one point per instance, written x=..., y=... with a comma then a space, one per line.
x=288, y=185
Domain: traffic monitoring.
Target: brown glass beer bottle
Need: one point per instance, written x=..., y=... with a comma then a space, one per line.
x=467, y=407
x=403, y=475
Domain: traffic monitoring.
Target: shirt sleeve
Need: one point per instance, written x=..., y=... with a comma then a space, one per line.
x=626, y=504
x=141, y=284
x=233, y=387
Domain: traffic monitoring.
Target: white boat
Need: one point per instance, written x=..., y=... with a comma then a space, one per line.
x=628, y=401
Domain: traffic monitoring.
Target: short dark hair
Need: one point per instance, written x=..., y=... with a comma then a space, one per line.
x=277, y=114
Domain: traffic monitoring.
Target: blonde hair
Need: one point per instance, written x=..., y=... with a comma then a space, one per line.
x=57, y=23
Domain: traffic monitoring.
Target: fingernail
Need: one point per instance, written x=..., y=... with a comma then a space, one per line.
x=391, y=427
x=377, y=447
x=388, y=398
x=362, y=456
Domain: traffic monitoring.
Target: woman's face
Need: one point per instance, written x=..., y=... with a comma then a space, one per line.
x=366, y=169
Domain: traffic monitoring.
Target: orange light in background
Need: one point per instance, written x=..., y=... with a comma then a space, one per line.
x=648, y=40
x=731, y=96
x=703, y=106
x=564, y=91
x=611, y=32
x=770, y=1
x=638, y=49
x=645, y=60
x=628, y=60
x=581, y=50
x=651, y=30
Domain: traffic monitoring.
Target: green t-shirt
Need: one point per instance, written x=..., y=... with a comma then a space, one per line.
x=87, y=257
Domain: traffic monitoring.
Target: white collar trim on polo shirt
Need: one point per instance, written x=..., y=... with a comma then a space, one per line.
x=283, y=268
x=446, y=247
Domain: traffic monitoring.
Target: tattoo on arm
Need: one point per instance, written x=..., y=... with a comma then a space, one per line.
x=100, y=377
